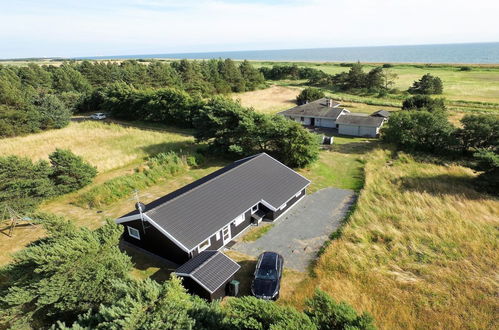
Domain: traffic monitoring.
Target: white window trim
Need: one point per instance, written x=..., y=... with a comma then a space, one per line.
x=218, y=235
x=239, y=220
x=201, y=248
x=133, y=232
x=283, y=206
x=252, y=208
x=298, y=194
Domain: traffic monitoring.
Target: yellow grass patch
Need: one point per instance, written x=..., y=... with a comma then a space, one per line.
x=269, y=100
x=420, y=250
x=107, y=146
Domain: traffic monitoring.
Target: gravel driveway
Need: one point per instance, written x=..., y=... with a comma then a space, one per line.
x=300, y=232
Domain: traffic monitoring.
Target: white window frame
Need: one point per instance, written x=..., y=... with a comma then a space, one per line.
x=239, y=220
x=133, y=232
x=298, y=194
x=218, y=236
x=204, y=245
x=283, y=206
x=254, y=208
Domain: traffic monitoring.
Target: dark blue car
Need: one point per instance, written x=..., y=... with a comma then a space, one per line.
x=267, y=277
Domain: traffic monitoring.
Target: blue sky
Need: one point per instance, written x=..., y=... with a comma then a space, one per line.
x=33, y=28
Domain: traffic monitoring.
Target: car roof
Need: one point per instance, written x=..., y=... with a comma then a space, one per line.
x=268, y=260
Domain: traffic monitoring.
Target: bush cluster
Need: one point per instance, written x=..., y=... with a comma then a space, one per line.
x=158, y=168
x=423, y=126
x=231, y=129
x=79, y=279
x=24, y=184
x=308, y=95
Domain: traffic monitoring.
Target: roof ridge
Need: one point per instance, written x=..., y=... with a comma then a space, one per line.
x=251, y=158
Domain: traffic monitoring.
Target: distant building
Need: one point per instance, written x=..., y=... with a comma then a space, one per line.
x=320, y=113
x=326, y=113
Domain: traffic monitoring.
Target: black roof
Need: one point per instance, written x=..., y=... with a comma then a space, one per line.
x=211, y=269
x=358, y=120
x=198, y=210
x=381, y=113
x=317, y=108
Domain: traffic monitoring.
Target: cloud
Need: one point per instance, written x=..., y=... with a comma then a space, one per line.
x=78, y=28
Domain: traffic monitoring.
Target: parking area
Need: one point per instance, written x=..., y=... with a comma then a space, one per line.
x=300, y=232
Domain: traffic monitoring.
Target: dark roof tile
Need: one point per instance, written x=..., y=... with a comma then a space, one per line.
x=357, y=120
x=211, y=269
x=317, y=108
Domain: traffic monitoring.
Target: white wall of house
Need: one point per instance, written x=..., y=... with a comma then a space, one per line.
x=357, y=130
x=331, y=123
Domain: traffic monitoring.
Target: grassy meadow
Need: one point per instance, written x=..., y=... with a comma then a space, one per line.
x=474, y=90
x=419, y=251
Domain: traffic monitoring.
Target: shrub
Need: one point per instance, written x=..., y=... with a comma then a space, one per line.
x=479, y=131
x=53, y=112
x=488, y=162
x=419, y=130
x=253, y=313
x=69, y=171
x=465, y=68
x=388, y=65
x=428, y=84
x=327, y=314
x=308, y=95
x=62, y=275
x=424, y=102
x=24, y=185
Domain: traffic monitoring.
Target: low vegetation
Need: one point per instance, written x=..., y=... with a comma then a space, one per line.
x=419, y=250
x=158, y=168
x=255, y=233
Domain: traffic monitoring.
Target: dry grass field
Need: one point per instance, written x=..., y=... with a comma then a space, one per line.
x=106, y=146
x=269, y=100
x=420, y=250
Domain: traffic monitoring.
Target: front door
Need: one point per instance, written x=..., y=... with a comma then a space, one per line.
x=312, y=121
x=226, y=234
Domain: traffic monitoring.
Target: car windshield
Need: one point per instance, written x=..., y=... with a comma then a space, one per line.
x=266, y=274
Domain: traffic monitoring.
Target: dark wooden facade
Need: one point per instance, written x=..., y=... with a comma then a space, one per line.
x=154, y=241
x=194, y=287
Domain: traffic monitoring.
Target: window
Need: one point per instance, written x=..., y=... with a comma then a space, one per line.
x=302, y=118
x=283, y=206
x=254, y=208
x=239, y=220
x=133, y=232
x=298, y=194
x=203, y=246
x=218, y=236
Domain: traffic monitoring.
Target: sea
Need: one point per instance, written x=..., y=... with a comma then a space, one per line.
x=472, y=53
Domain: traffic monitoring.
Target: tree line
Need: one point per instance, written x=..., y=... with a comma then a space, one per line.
x=423, y=125
x=228, y=128
x=34, y=98
x=76, y=278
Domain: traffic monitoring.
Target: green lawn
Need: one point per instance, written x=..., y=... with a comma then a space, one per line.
x=340, y=167
x=475, y=90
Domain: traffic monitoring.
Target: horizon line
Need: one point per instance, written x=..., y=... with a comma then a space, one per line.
x=237, y=51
